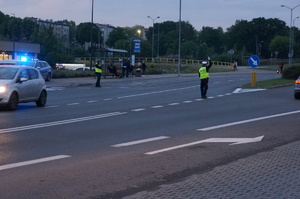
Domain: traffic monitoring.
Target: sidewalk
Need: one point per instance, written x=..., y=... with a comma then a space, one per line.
x=272, y=174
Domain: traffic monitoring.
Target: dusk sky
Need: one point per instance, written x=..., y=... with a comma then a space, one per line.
x=212, y=13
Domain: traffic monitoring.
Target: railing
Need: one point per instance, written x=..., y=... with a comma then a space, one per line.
x=159, y=60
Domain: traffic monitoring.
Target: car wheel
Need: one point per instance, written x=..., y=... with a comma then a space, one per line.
x=13, y=102
x=41, y=102
x=297, y=96
x=48, y=77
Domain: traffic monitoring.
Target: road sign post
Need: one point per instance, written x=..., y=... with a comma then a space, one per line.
x=253, y=61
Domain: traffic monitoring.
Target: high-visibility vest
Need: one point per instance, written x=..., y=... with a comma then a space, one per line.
x=203, y=73
x=98, y=70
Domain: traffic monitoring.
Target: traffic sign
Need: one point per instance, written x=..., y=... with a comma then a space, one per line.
x=254, y=61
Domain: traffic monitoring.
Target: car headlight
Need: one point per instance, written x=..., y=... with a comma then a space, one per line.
x=3, y=88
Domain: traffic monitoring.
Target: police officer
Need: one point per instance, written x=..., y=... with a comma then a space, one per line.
x=204, y=77
x=98, y=71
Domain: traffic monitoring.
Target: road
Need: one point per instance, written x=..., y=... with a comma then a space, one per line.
x=136, y=134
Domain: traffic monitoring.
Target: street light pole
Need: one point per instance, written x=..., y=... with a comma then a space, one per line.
x=179, y=40
x=14, y=43
x=92, y=24
x=153, y=33
x=290, y=48
x=293, y=35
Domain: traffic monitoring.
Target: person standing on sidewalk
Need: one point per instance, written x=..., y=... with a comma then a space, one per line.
x=204, y=77
x=98, y=71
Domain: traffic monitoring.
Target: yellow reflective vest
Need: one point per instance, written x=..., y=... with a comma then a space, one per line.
x=203, y=73
x=98, y=69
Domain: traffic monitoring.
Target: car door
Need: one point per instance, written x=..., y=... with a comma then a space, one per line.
x=35, y=84
x=24, y=88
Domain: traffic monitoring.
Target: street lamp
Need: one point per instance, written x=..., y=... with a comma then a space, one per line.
x=153, y=32
x=14, y=44
x=290, y=49
x=293, y=35
x=92, y=24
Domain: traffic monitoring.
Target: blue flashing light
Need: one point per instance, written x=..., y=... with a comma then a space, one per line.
x=24, y=58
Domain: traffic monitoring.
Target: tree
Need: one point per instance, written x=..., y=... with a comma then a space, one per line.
x=280, y=44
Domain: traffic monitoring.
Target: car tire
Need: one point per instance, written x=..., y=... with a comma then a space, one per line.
x=297, y=96
x=13, y=102
x=48, y=78
x=41, y=102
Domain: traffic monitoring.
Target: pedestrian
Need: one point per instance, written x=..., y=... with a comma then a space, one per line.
x=123, y=66
x=143, y=67
x=235, y=66
x=281, y=64
x=98, y=71
x=204, y=77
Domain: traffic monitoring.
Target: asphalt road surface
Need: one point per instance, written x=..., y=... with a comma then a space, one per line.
x=135, y=134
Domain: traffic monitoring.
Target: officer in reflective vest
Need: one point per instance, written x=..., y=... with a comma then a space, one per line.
x=98, y=71
x=204, y=77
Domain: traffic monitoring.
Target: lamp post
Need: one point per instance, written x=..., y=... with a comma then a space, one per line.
x=14, y=44
x=293, y=35
x=290, y=48
x=179, y=40
x=153, y=33
x=92, y=24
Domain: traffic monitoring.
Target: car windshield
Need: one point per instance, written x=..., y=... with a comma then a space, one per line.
x=8, y=72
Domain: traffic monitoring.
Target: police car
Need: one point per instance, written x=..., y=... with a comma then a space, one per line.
x=44, y=68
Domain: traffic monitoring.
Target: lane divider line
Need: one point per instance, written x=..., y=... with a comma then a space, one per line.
x=140, y=141
x=30, y=162
x=69, y=121
x=247, y=121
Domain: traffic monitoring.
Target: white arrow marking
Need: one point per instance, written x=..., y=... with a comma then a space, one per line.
x=254, y=61
x=210, y=140
x=240, y=90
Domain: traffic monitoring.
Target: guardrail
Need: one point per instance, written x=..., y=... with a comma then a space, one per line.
x=162, y=60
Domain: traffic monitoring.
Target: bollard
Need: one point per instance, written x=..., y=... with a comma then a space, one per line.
x=253, y=83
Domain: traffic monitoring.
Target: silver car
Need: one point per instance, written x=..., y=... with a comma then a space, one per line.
x=297, y=89
x=20, y=84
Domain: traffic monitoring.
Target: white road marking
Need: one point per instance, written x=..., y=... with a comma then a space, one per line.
x=92, y=101
x=54, y=106
x=199, y=99
x=108, y=99
x=156, y=92
x=247, y=121
x=186, y=102
x=62, y=122
x=72, y=104
x=173, y=104
x=30, y=162
x=138, y=109
x=240, y=90
x=140, y=141
x=210, y=140
x=159, y=106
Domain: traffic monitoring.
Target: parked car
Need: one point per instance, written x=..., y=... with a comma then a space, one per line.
x=44, y=68
x=21, y=84
x=297, y=89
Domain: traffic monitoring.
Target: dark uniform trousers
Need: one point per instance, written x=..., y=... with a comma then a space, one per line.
x=204, y=86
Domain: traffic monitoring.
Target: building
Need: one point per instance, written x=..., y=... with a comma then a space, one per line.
x=17, y=50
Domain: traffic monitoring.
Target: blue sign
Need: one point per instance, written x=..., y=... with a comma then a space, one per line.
x=254, y=61
x=137, y=45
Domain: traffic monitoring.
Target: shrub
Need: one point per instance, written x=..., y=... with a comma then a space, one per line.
x=292, y=72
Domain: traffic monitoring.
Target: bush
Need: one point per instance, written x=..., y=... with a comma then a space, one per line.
x=292, y=72
x=71, y=73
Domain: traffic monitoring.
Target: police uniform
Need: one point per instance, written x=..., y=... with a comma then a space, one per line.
x=204, y=77
x=98, y=71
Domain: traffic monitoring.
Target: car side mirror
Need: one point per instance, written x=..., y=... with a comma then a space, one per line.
x=23, y=79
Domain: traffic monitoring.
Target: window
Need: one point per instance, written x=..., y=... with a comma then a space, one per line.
x=24, y=73
x=33, y=74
